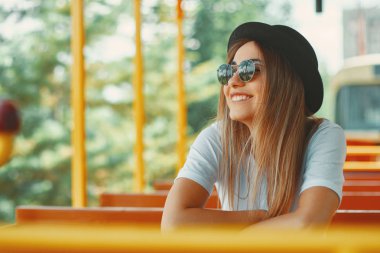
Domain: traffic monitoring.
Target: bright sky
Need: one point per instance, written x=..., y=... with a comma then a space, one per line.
x=325, y=30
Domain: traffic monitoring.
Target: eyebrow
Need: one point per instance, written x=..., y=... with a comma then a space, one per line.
x=253, y=59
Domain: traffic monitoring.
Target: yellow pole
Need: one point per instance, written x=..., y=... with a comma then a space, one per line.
x=78, y=162
x=138, y=103
x=6, y=147
x=182, y=110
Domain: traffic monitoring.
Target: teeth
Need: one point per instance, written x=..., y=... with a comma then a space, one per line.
x=238, y=98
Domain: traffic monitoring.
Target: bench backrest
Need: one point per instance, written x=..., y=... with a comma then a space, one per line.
x=44, y=214
x=38, y=214
x=156, y=199
x=360, y=201
x=354, y=200
x=361, y=185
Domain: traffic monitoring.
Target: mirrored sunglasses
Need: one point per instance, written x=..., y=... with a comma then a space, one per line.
x=246, y=70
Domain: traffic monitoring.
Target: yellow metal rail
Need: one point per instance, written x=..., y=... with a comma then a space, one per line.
x=182, y=109
x=138, y=105
x=6, y=147
x=43, y=238
x=78, y=162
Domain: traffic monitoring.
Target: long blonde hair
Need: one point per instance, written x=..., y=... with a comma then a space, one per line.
x=276, y=141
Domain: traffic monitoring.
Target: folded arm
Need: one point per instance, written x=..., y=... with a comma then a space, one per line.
x=316, y=207
x=186, y=201
x=185, y=205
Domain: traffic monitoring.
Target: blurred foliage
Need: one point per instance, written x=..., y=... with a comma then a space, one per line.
x=35, y=72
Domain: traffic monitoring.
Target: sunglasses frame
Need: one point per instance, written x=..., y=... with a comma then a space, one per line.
x=231, y=69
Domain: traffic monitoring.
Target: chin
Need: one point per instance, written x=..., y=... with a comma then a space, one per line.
x=240, y=118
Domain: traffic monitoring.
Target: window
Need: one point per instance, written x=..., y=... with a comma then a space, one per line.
x=358, y=107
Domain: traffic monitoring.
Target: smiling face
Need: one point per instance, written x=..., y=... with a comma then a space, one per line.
x=243, y=98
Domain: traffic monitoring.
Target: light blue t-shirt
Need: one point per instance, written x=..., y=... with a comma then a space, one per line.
x=322, y=166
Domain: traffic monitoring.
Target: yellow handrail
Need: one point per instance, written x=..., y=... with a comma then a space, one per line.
x=138, y=104
x=92, y=238
x=6, y=147
x=78, y=162
x=182, y=109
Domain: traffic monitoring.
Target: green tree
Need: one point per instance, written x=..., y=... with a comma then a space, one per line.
x=35, y=72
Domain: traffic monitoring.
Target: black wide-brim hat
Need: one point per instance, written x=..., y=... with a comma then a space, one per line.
x=294, y=47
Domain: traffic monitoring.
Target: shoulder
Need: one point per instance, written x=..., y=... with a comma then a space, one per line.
x=327, y=126
x=327, y=132
x=328, y=140
x=202, y=161
x=211, y=131
x=210, y=136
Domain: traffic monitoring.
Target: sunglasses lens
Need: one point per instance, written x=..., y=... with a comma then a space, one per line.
x=246, y=70
x=224, y=73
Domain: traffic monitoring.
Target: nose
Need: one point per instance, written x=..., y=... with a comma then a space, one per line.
x=235, y=81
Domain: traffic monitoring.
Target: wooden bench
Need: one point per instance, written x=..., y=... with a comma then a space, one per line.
x=147, y=215
x=361, y=142
x=362, y=217
x=162, y=185
x=354, y=200
x=363, y=153
x=363, y=150
x=361, y=166
x=361, y=185
x=156, y=199
x=362, y=175
x=360, y=201
x=47, y=214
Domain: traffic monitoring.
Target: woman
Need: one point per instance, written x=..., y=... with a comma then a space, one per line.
x=271, y=161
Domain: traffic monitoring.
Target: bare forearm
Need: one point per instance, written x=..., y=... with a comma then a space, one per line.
x=295, y=220
x=307, y=214
x=290, y=220
x=210, y=216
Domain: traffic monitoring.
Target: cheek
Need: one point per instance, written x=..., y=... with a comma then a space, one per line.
x=259, y=89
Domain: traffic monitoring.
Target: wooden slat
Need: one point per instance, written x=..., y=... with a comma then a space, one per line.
x=133, y=200
x=162, y=185
x=361, y=185
x=27, y=214
x=360, y=142
x=156, y=199
x=360, y=201
x=356, y=200
x=38, y=214
x=363, y=150
x=362, y=217
x=361, y=166
x=351, y=200
x=362, y=175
